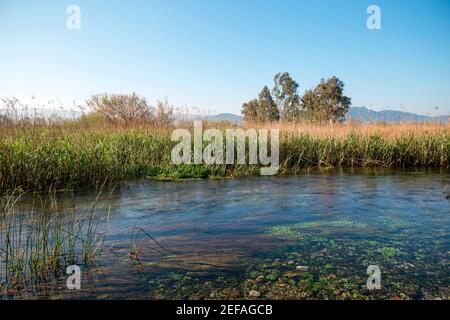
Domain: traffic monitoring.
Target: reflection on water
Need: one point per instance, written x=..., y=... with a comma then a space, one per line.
x=298, y=237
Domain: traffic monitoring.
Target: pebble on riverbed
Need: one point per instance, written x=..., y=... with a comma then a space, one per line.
x=254, y=294
x=302, y=268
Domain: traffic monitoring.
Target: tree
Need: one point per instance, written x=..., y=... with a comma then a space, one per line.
x=286, y=96
x=326, y=102
x=122, y=107
x=250, y=111
x=268, y=110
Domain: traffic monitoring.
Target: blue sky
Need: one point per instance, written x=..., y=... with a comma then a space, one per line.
x=217, y=54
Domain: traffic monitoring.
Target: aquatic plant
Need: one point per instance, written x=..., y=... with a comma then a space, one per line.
x=390, y=252
x=295, y=230
x=38, y=242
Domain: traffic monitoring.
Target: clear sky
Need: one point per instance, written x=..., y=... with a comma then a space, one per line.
x=217, y=54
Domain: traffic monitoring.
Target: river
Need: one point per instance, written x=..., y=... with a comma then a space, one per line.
x=309, y=236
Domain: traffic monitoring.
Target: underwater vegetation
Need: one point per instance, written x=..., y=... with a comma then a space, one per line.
x=152, y=240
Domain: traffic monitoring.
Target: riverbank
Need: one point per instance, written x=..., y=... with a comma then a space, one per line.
x=73, y=155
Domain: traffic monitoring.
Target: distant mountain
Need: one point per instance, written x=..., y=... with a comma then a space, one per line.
x=214, y=117
x=365, y=115
x=361, y=114
x=358, y=114
x=226, y=117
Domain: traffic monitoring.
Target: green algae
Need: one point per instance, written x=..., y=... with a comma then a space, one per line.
x=298, y=229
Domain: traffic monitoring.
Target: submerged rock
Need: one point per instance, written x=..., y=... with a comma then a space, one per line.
x=254, y=294
x=302, y=268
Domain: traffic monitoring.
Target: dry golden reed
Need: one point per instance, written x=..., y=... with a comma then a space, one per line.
x=88, y=151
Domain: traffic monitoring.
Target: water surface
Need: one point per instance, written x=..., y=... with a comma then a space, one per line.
x=309, y=236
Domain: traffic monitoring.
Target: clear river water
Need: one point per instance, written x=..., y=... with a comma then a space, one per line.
x=309, y=236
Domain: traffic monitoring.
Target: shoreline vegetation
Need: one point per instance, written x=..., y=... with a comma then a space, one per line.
x=83, y=152
x=123, y=137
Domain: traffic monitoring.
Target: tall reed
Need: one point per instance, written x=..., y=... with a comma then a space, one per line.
x=71, y=155
x=38, y=241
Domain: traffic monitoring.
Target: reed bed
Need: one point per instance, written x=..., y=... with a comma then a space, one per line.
x=40, y=237
x=75, y=154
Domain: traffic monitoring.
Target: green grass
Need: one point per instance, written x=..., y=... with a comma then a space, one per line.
x=64, y=158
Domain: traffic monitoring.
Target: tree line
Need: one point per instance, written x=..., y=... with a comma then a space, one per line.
x=325, y=102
